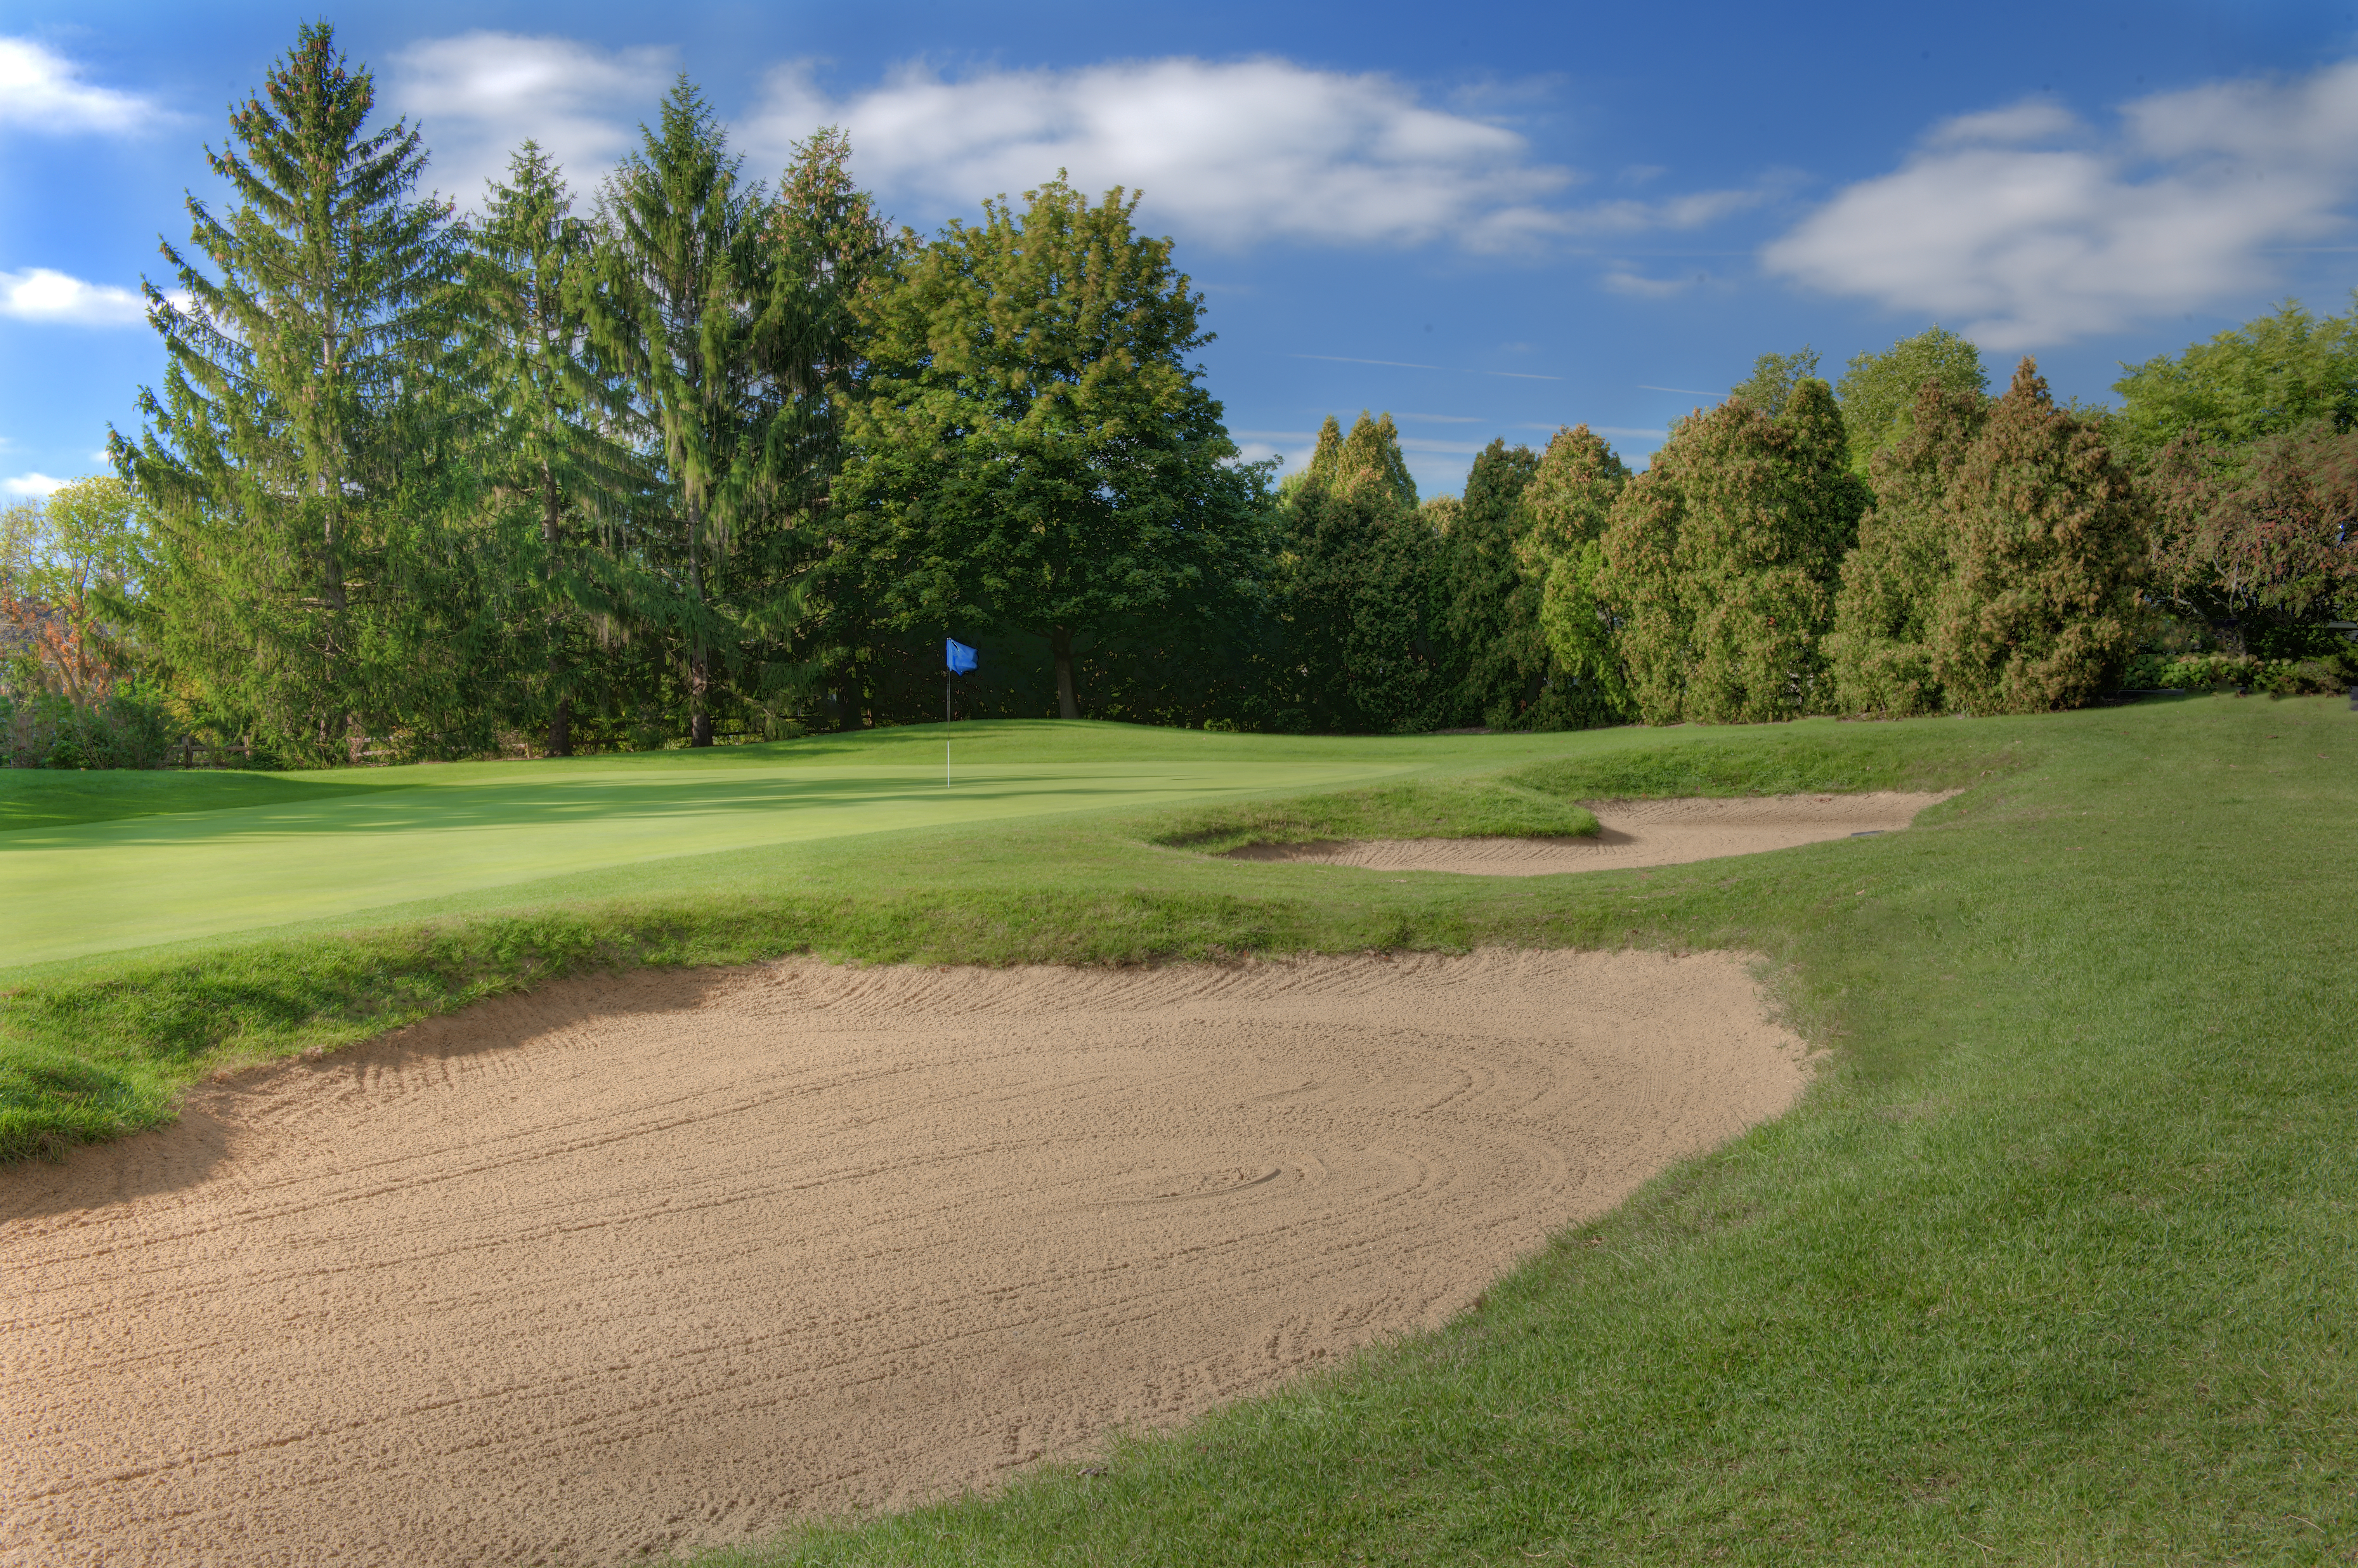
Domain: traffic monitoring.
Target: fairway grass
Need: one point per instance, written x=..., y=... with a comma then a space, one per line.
x=2054, y=1263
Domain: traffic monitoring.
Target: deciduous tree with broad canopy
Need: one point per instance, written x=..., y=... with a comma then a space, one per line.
x=1033, y=448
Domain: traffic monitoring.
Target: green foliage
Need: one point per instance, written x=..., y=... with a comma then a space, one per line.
x=1880, y=653
x=1877, y=392
x=1372, y=447
x=1567, y=508
x=123, y=729
x=2260, y=535
x=692, y=308
x=1721, y=560
x=558, y=485
x=1493, y=602
x=70, y=567
x=307, y=580
x=1364, y=596
x=2047, y=536
x=2243, y=672
x=1033, y=449
x=2273, y=375
x=1774, y=378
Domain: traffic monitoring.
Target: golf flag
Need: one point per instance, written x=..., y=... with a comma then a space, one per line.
x=957, y=660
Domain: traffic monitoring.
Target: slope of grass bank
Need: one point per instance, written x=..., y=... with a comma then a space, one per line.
x=2052, y=1265
x=1481, y=806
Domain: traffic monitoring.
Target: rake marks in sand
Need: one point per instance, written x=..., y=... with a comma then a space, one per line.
x=646, y=1262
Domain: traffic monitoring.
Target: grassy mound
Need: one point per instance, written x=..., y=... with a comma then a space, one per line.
x=1484, y=806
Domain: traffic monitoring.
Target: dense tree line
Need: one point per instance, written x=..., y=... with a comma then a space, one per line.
x=693, y=457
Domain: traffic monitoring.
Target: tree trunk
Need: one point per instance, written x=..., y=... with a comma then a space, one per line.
x=699, y=686
x=1060, y=643
x=699, y=661
x=561, y=721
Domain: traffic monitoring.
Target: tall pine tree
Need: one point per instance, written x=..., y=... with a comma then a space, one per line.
x=688, y=305
x=298, y=468
x=557, y=479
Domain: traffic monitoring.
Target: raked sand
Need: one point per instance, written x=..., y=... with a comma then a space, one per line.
x=1631, y=833
x=641, y=1263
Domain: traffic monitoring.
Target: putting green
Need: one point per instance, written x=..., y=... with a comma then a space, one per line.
x=100, y=887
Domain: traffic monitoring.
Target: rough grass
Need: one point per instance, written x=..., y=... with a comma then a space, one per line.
x=1483, y=806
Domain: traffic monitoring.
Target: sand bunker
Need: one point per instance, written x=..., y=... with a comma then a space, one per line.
x=1632, y=833
x=637, y=1264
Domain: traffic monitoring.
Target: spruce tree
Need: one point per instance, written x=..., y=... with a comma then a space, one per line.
x=687, y=307
x=1722, y=559
x=298, y=471
x=558, y=479
x=2047, y=536
x=832, y=247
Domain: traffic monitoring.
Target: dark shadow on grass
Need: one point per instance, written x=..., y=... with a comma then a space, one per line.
x=223, y=1115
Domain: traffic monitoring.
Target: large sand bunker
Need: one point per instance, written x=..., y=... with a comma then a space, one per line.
x=641, y=1263
x=1630, y=833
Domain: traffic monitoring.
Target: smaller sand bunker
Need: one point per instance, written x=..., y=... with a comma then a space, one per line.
x=1630, y=833
x=637, y=1264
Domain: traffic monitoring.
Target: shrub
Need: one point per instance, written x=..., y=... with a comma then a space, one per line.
x=126, y=730
x=2204, y=672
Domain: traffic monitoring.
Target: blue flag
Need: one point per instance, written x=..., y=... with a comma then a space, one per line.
x=961, y=657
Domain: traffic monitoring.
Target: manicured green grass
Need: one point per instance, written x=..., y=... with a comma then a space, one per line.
x=430, y=834
x=2052, y=1265
x=37, y=798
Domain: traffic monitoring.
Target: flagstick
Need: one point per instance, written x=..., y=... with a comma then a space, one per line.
x=945, y=729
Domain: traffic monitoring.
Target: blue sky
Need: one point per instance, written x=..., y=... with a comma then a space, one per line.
x=1489, y=222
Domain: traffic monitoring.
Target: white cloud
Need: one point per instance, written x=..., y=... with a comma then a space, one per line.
x=42, y=91
x=40, y=294
x=1621, y=280
x=2031, y=120
x=2023, y=245
x=31, y=485
x=480, y=94
x=1228, y=153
